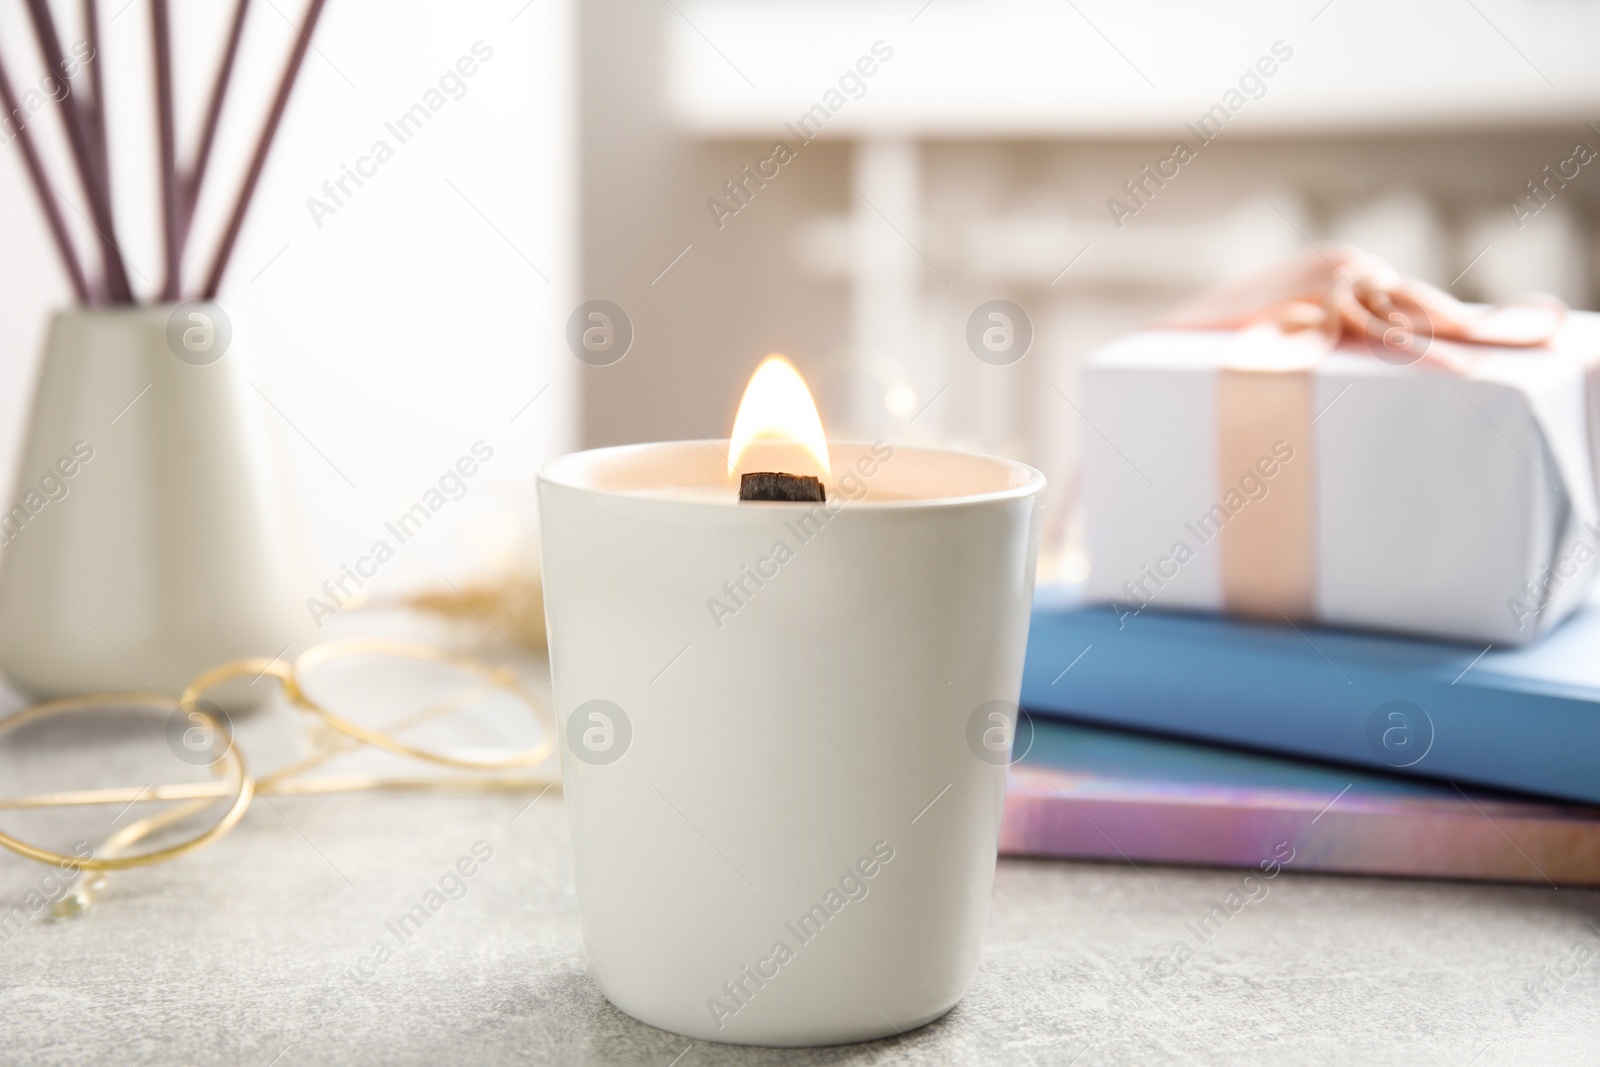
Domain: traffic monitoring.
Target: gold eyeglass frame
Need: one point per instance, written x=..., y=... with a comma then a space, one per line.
x=242, y=787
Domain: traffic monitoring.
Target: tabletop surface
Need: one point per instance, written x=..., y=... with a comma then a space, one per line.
x=258, y=951
x=252, y=952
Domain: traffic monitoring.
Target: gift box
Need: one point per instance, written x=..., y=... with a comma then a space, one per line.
x=1328, y=442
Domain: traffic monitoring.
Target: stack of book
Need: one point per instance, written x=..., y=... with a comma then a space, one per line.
x=1189, y=738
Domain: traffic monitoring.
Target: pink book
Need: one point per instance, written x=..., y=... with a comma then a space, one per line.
x=1091, y=793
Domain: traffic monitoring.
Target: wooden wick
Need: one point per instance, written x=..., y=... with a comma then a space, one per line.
x=776, y=486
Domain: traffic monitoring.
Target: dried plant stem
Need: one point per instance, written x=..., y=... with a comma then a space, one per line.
x=45, y=191
x=258, y=161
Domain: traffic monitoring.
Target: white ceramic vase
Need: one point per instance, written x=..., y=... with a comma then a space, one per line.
x=784, y=767
x=151, y=533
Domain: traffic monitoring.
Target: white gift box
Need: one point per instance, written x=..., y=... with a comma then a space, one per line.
x=1348, y=490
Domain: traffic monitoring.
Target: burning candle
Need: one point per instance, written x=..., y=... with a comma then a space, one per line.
x=785, y=723
x=777, y=413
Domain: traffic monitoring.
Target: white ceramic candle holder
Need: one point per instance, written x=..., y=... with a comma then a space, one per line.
x=785, y=730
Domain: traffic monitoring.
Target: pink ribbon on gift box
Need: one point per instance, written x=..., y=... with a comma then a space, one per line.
x=1293, y=314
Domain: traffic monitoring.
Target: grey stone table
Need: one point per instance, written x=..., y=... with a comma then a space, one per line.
x=258, y=951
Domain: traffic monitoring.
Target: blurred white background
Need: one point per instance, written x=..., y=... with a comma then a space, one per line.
x=414, y=321
x=978, y=162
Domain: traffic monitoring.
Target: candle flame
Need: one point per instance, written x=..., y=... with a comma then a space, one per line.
x=777, y=408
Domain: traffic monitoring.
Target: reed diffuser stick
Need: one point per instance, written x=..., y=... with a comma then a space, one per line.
x=161, y=44
x=208, y=132
x=45, y=191
x=258, y=161
x=97, y=92
x=84, y=116
x=95, y=184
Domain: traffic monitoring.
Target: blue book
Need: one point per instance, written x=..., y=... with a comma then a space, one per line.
x=1526, y=720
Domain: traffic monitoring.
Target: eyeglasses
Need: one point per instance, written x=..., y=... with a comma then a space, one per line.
x=199, y=733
